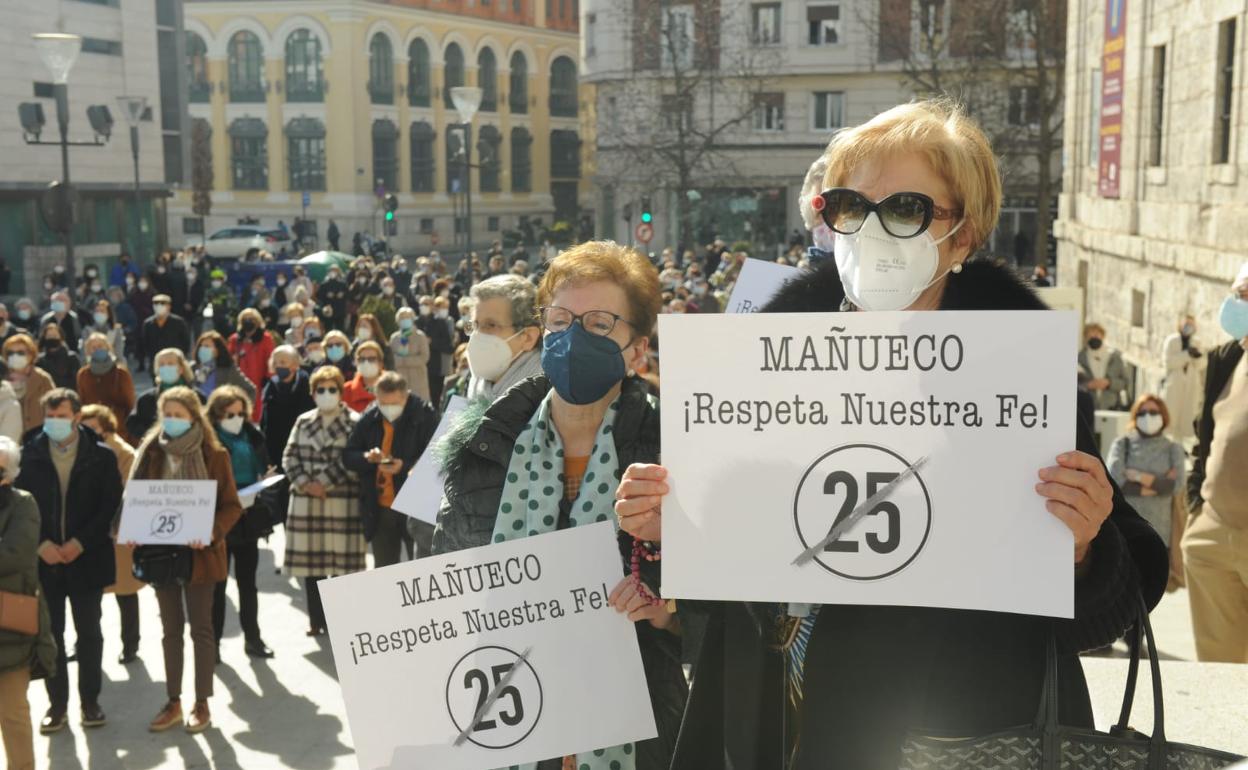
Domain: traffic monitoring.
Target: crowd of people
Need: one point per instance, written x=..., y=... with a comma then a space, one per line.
x=337, y=381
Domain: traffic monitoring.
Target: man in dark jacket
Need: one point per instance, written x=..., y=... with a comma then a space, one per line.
x=62, y=314
x=164, y=329
x=384, y=446
x=73, y=478
x=286, y=395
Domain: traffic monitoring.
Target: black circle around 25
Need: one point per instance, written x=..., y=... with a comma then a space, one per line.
x=522, y=697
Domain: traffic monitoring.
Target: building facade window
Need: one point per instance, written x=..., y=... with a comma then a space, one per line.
x=521, y=160
x=829, y=110
x=765, y=23
x=419, y=74
x=422, y=136
x=198, y=88
x=1024, y=106
x=823, y=22
x=489, y=159
x=452, y=72
x=101, y=46
x=386, y=155
x=249, y=156
x=565, y=154
x=1157, y=116
x=305, y=153
x=1224, y=95
x=303, y=67
x=769, y=112
x=487, y=80
x=676, y=113
x=381, y=70
x=676, y=37
x=518, y=90
x=563, y=88
x=456, y=179
x=246, y=68
x=932, y=22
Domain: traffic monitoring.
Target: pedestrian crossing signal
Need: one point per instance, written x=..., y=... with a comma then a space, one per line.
x=646, y=216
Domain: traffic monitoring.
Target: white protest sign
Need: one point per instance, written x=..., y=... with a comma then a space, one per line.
x=757, y=283
x=772, y=440
x=420, y=646
x=247, y=495
x=172, y=512
x=421, y=494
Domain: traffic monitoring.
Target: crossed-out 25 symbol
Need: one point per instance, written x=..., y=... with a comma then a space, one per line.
x=166, y=524
x=513, y=714
x=892, y=533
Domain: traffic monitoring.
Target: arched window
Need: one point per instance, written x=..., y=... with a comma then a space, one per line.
x=381, y=70
x=565, y=154
x=422, y=137
x=487, y=79
x=518, y=90
x=303, y=67
x=386, y=155
x=563, y=88
x=489, y=142
x=418, y=74
x=452, y=72
x=249, y=156
x=246, y=64
x=455, y=176
x=197, y=68
x=521, y=160
x=305, y=145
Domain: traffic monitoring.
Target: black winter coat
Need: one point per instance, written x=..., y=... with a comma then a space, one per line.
x=94, y=497
x=1221, y=367
x=412, y=432
x=478, y=451
x=154, y=337
x=873, y=672
x=281, y=403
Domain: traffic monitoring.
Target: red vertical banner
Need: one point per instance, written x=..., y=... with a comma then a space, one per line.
x=1112, y=66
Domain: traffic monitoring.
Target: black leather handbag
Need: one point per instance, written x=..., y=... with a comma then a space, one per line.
x=1046, y=745
x=162, y=565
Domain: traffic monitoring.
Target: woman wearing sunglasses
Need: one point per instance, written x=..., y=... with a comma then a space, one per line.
x=909, y=197
x=546, y=455
x=324, y=531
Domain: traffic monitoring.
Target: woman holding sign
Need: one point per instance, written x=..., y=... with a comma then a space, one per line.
x=184, y=446
x=909, y=196
x=547, y=454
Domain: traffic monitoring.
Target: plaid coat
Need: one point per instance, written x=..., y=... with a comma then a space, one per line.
x=323, y=537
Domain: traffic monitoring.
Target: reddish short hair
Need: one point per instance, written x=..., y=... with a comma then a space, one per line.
x=608, y=261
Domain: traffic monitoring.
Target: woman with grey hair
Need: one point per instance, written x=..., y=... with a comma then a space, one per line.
x=502, y=346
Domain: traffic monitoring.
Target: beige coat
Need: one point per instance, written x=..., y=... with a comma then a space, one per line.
x=38, y=382
x=126, y=583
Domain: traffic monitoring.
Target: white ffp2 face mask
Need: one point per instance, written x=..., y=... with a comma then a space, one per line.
x=489, y=356
x=882, y=272
x=1149, y=424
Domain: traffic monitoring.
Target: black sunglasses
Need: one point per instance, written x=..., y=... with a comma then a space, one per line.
x=326, y=390
x=902, y=214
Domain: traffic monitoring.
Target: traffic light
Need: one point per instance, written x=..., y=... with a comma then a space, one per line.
x=390, y=203
x=646, y=216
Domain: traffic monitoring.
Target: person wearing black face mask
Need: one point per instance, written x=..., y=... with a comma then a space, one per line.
x=559, y=442
x=56, y=359
x=1109, y=383
x=251, y=347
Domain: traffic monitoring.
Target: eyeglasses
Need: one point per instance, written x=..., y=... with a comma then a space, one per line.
x=1146, y=412
x=597, y=322
x=902, y=214
x=323, y=391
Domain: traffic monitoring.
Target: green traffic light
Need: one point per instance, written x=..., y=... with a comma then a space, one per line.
x=646, y=217
x=389, y=216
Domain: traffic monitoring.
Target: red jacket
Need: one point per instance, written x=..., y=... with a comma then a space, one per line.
x=356, y=395
x=252, y=358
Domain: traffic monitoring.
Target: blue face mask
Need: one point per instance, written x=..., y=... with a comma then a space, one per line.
x=406, y=323
x=58, y=307
x=582, y=367
x=58, y=428
x=175, y=426
x=99, y=355
x=336, y=352
x=282, y=372
x=207, y=354
x=1234, y=317
x=100, y=318
x=169, y=374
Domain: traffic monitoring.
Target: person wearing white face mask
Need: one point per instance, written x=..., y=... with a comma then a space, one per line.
x=385, y=444
x=369, y=329
x=1149, y=466
x=410, y=348
x=910, y=196
x=324, y=532
x=1214, y=550
x=359, y=391
x=504, y=333
x=28, y=381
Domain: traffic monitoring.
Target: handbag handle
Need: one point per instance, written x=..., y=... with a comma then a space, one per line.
x=1158, y=741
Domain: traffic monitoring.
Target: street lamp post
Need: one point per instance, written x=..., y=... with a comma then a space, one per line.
x=467, y=99
x=59, y=52
x=132, y=108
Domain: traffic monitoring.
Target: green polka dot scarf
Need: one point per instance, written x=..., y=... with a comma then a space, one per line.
x=530, y=506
